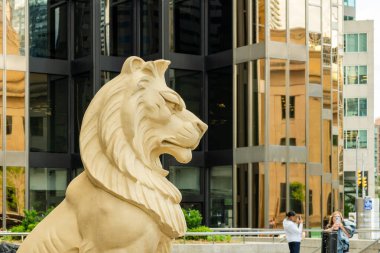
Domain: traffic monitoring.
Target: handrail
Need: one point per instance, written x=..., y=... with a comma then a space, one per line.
x=21, y=234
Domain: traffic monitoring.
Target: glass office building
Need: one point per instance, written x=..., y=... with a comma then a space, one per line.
x=265, y=75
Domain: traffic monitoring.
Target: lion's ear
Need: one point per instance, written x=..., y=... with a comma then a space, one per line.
x=132, y=64
x=161, y=66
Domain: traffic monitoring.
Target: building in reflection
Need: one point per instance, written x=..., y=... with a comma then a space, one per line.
x=358, y=101
x=268, y=85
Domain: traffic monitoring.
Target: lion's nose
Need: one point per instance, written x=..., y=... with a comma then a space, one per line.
x=201, y=126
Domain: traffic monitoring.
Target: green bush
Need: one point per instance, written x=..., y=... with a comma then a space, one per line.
x=198, y=229
x=31, y=220
x=193, y=218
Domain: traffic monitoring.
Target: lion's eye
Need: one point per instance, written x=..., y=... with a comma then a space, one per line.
x=172, y=100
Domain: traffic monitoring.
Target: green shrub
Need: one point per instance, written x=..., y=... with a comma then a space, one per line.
x=193, y=218
x=31, y=220
x=198, y=229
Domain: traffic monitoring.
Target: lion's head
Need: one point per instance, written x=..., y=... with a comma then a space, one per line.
x=130, y=122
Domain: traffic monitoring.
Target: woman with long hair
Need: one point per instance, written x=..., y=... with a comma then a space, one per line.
x=336, y=224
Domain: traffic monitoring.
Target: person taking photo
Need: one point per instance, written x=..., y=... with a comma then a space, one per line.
x=293, y=225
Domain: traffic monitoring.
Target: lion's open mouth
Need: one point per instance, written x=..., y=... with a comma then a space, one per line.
x=172, y=143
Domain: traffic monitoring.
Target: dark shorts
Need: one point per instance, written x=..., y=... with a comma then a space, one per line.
x=294, y=247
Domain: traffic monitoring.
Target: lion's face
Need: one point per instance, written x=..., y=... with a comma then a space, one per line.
x=160, y=122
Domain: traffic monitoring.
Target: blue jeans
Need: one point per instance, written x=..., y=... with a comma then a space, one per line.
x=294, y=247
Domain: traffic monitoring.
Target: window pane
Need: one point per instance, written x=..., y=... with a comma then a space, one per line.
x=277, y=191
x=221, y=196
x=258, y=103
x=186, y=179
x=185, y=26
x=278, y=21
x=48, y=113
x=83, y=93
x=106, y=76
x=326, y=202
x=297, y=102
x=315, y=19
x=315, y=125
x=363, y=107
x=15, y=111
x=351, y=42
x=82, y=28
x=362, y=138
x=220, y=108
x=15, y=190
x=362, y=74
x=297, y=21
x=315, y=58
x=48, y=29
x=277, y=93
x=326, y=21
x=326, y=154
x=352, y=106
x=297, y=188
x=150, y=27
x=242, y=23
x=15, y=18
x=362, y=42
x=352, y=74
x=219, y=25
x=315, y=195
x=242, y=105
x=47, y=187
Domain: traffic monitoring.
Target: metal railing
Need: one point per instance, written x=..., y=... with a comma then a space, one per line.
x=22, y=235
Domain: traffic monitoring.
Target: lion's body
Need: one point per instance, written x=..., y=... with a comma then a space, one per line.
x=95, y=219
x=123, y=201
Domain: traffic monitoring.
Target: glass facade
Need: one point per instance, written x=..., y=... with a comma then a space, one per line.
x=355, y=107
x=274, y=115
x=289, y=110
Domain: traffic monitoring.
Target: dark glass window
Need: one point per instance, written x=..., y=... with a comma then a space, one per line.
x=121, y=28
x=149, y=27
x=47, y=187
x=219, y=25
x=83, y=93
x=48, y=113
x=9, y=125
x=185, y=25
x=82, y=28
x=48, y=29
x=106, y=76
x=220, y=109
x=188, y=84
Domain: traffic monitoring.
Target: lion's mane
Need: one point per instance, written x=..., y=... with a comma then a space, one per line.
x=120, y=167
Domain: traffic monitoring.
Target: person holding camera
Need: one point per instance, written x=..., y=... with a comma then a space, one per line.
x=293, y=225
x=336, y=223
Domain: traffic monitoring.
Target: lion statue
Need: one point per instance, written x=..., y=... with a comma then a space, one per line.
x=123, y=202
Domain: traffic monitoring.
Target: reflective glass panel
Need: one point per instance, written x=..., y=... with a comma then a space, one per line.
x=326, y=21
x=297, y=188
x=315, y=58
x=258, y=103
x=258, y=197
x=189, y=86
x=315, y=2
x=47, y=187
x=277, y=192
x=352, y=74
x=326, y=203
x=150, y=26
x=219, y=25
x=82, y=28
x=297, y=21
x=362, y=42
x=277, y=20
x=1, y=109
x=242, y=195
x=117, y=27
x=220, y=108
x=261, y=20
x=363, y=107
x=186, y=179
x=15, y=195
x=221, y=196
x=315, y=19
x=362, y=74
x=15, y=19
x=326, y=146
x=277, y=105
x=48, y=29
x=83, y=93
x=297, y=103
x=15, y=122
x=106, y=76
x=315, y=127
x=185, y=26
x=315, y=205
x=326, y=88
x=242, y=23
x=242, y=105
x=351, y=43
x=48, y=113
